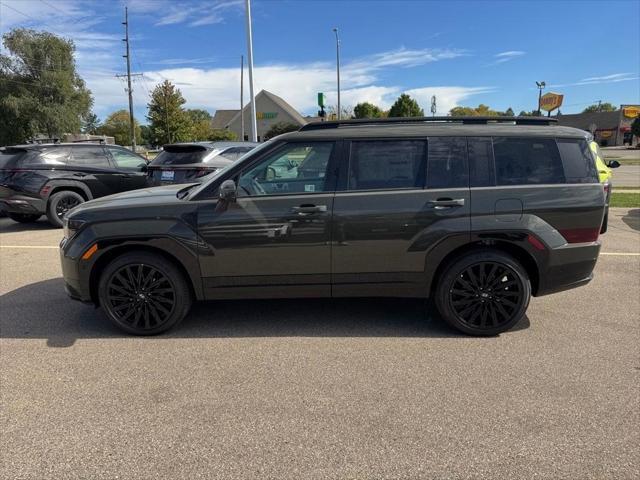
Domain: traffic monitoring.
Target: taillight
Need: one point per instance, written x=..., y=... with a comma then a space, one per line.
x=607, y=188
x=44, y=191
x=537, y=244
x=580, y=235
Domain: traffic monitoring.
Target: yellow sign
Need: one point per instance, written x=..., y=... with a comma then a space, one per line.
x=550, y=101
x=605, y=133
x=631, y=112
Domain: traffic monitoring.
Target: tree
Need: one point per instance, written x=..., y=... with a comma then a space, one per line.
x=525, y=113
x=332, y=112
x=480, y=111
x=168, y=120
x=199, y=124
x=600, y=107
x=405, y=106
x=117, y=125
x=508, y=113
x=221, y=134
x=367, y=110
x=146, y=135
x=280, y=128
x=40, y=90
x=90, y=123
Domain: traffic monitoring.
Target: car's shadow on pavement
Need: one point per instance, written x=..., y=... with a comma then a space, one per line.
x=632, y=218
x=43, y=311
x=7, y=226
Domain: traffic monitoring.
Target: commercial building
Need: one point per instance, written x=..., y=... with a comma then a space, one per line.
x=270, y=109
x=608, y=128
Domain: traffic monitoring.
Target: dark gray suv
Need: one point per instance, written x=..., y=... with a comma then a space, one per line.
x=478, y=214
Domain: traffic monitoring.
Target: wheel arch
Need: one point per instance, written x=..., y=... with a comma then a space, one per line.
x=114, y=252
x=77, y=187
x=527, y=261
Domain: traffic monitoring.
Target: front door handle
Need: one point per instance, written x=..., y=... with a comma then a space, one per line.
x=441, y=203
x=307, y=209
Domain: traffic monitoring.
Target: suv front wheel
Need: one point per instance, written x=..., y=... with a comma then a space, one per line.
x=60, y=203
x=144, y=293
x=483, y=293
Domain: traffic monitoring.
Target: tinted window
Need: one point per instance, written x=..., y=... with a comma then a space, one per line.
x=9, y=158
x=234, y=153
x=447, y=163
x=126, y=159
x=481, y=161
x=295, y=168
x=522, y=161
x=579, y=165
x=180, y=155
x=90, y=155
x=383, y=164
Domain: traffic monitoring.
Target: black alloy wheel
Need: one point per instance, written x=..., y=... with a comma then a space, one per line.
x=484, y=293
x=143, y=293
x=65, y=204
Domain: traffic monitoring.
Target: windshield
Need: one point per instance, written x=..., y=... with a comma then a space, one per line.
x=202, y=187
x=180, y=155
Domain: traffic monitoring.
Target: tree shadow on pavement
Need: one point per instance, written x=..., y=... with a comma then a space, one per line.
x=7, y=225
x=632, y=218
x=43, y=311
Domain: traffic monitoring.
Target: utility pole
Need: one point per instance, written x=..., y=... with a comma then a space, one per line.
x=540, y=86
x=165, y=94
x=242, y=97
x=132, y=128
x=254, y=121
x=335, y=30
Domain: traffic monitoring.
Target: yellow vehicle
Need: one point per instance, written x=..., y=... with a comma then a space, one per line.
x=604, y=169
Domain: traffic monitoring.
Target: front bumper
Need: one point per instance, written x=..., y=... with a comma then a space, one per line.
x=75, y=274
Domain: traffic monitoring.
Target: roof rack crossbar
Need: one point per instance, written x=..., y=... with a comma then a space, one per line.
x=418, y=120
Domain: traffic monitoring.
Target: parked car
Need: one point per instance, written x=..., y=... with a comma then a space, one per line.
x=605, y=172
x=478, y=214
x=194, y=162
x=51, y=179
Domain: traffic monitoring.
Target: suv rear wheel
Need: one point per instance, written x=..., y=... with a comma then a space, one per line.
x=60, y=203
x=144, y=293
x=483, y=293
x=24, y=217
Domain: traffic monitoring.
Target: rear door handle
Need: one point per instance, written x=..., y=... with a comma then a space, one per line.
x=307, y=209
x=441, y=203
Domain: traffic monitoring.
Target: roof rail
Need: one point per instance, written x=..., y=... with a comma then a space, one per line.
x=90, y=140
x=401, y=120
x=39, y=141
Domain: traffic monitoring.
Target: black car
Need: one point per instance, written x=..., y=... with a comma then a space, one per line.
x=193, y=162
x=51, y=179
x=478, y=214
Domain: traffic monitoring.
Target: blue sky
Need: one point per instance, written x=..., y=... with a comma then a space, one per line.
x=464, y=52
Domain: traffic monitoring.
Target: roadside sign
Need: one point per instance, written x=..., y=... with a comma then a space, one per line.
x=550, y=101
x=631, y=112
x=322, y=99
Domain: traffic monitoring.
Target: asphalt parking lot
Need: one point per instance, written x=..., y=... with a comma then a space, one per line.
x=363, y=388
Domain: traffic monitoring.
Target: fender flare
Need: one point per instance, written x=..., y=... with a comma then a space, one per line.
x=64, y=183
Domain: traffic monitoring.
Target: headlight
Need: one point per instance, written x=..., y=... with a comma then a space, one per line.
x=70, y=226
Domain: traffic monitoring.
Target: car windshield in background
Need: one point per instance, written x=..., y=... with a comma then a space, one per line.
x=180, y=155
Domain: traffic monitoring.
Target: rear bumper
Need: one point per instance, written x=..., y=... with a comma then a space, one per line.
x=568, y=266
x=23, y=204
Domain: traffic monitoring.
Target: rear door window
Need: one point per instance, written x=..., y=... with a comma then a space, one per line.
x=579, y=165
x=387, y=164
x=527, y=161
x=447, y=167
x=90, y=156
x=481, y=161
x=180, y=155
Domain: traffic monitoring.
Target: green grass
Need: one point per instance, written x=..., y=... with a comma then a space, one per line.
x=616, y=188
x=628, y=200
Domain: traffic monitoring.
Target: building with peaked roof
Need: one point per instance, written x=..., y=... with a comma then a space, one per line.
x=608, y=128
x=270, y=109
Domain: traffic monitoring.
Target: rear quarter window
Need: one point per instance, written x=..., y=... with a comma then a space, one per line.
x=577, y=161
x=10, y=158
x=527, y=161
x=93, y=156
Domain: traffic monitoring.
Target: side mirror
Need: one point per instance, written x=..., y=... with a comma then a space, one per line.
x=613, y=164
x=228, y=191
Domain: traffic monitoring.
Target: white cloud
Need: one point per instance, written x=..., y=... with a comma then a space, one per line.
x=447, y=97
x=507, y=56
x=612, y=78
x=196, y=14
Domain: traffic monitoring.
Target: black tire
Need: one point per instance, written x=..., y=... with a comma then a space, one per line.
x=483, y=293
x=24, y=217
x=143, y=293
x=60, y=203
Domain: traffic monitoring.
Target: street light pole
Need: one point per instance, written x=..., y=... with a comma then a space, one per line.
x=540, y=85
x=254, y=122
x=335, y=30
